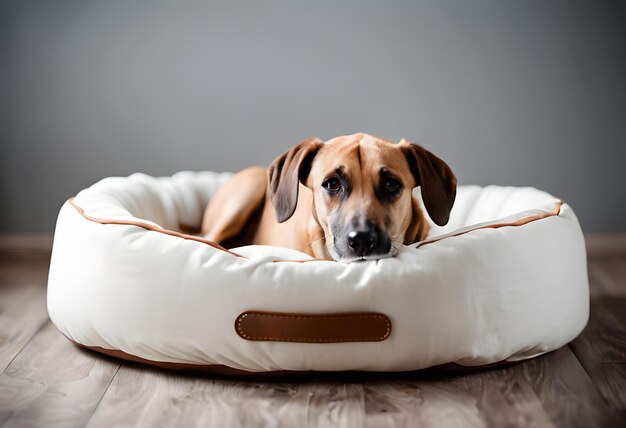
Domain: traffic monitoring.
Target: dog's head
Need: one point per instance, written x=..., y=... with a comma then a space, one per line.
x=362, y=192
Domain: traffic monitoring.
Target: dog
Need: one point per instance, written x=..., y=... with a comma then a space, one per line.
x=348, y=199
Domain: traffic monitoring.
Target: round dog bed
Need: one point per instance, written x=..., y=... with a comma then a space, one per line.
x=504, y=280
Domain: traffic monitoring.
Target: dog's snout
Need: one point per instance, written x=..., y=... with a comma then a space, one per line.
x=362, y=240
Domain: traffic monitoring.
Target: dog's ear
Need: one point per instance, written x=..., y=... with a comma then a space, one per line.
x=436, y=178
x=286, y=172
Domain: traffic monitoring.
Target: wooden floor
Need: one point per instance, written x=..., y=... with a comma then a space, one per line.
x=46, y=381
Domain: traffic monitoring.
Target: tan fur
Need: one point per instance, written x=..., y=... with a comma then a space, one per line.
x=308, y=230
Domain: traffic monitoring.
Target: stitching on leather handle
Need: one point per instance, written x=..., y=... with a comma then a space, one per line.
x=304, y=339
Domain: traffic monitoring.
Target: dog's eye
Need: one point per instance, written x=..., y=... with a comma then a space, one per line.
x=332, y=184
x=392, y=185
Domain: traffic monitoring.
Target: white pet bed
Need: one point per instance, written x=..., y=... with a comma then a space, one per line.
x=505, y=280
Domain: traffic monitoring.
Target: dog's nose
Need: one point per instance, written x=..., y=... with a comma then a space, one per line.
x=362, y=241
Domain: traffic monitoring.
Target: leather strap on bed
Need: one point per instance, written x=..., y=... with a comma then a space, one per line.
x=313, y=328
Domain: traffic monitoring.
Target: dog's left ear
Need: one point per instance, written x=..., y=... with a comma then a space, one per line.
x=436, y=178
x=286, y=172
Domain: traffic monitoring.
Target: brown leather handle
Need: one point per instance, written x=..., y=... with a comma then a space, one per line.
x=313, y=328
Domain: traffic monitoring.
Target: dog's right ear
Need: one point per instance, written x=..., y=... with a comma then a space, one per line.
x=286, y=172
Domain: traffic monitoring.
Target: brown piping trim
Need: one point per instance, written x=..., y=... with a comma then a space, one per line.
x=522, y=221
x=313, y=328
x=149, y=227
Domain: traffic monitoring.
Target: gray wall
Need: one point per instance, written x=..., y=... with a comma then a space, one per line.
x=508, y=92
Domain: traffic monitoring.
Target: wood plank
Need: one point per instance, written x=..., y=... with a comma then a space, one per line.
x=566, y=392
x=473, y=398
x=167, y=398
x=601, y=349
x=145, y=396
x=23, y=269
x=53, y=383
x=551, y=390
x=495, y=397
x=609, y=244
x=25, y=242
x=607, y=275
x=22, y=314
x=333, y=404
x=22, y=304
x=162, y=397
x=447, y=401
x=524, y=395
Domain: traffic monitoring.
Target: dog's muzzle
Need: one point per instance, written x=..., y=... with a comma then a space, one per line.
x=364, y=243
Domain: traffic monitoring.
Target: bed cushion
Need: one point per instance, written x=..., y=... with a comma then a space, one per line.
x=504, y=280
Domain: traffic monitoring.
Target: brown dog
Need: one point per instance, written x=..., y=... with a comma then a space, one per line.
x=347, y=199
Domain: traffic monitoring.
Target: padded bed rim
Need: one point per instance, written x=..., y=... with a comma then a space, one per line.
x=517, y=223
x=222, y=370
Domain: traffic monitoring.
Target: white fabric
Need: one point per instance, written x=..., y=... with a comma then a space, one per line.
x=482, y=297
